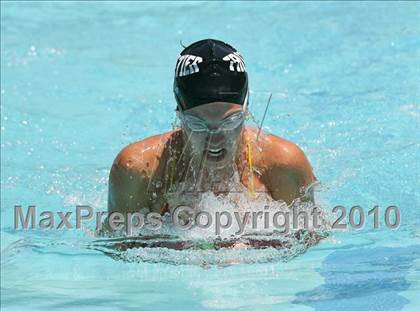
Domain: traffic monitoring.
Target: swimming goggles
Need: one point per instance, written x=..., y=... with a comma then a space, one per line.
x=196, y=124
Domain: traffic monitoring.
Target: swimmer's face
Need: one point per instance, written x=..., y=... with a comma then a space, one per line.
x=214, y=130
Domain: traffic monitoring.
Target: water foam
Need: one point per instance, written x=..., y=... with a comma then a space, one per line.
x=257, y=242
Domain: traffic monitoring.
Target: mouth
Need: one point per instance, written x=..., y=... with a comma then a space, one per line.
x=215, y=154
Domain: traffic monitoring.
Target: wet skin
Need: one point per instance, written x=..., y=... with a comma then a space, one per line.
x=142, y=173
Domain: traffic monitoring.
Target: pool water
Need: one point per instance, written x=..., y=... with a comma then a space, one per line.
x=79, y=81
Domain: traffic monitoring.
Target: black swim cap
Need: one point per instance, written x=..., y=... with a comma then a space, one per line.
x=208, y=71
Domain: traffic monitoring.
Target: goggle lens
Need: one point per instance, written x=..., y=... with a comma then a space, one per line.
x=196, y=124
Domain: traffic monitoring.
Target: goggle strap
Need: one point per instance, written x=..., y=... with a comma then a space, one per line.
x=245, y=104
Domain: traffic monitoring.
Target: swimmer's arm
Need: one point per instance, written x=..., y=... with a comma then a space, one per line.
x=289, y=178
x=127, y=190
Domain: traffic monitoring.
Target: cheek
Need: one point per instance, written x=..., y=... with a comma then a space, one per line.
x=235, y=134
x=232, y=139
x=198, y=141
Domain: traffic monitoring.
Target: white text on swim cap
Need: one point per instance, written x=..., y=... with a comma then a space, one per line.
x=187, y=64
x=236, y=62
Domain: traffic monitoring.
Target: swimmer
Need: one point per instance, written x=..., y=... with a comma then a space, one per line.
x=212, y=148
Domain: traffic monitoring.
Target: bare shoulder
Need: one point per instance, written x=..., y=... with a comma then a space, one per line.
x=142, y=156
x=132, y=171
x=277, y=151
x=284, y=166
x=285, y=152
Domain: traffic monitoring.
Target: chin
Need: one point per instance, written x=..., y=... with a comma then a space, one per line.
x=221, y=163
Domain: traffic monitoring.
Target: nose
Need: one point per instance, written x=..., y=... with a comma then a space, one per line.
x=215, y=138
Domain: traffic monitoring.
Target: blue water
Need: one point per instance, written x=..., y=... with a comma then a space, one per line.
x=79, y=81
